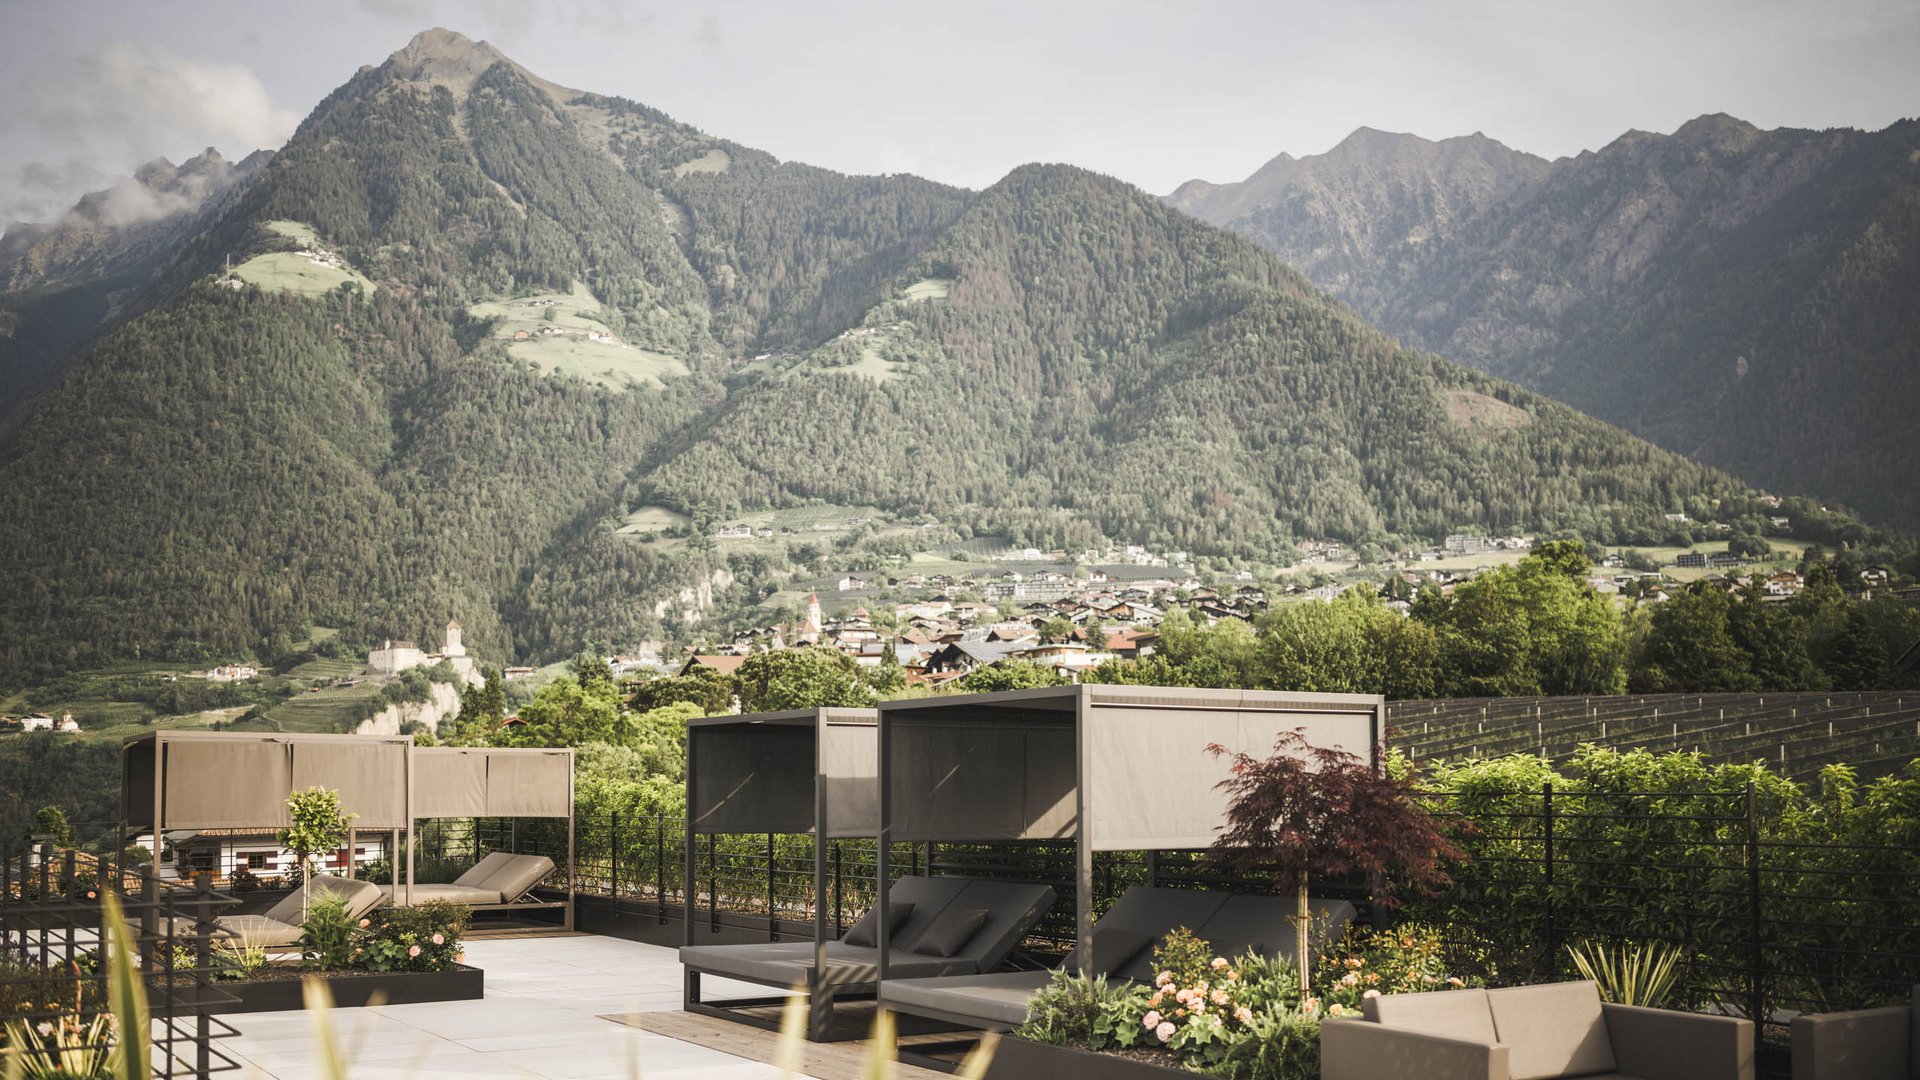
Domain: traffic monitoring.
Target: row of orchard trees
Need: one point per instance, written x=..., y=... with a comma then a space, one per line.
x=1538, y=627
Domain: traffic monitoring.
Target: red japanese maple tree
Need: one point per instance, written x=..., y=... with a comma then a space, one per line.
x=1310, y=810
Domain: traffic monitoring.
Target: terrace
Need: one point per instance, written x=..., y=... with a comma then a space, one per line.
x=1776, y=919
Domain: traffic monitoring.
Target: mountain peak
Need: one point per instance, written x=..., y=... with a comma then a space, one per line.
x=1716, y=128
x=446, y=57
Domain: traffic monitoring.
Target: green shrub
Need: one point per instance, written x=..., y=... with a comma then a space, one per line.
x=329, y=934
x=1280, y=1044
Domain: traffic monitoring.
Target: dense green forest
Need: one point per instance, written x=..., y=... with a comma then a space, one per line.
x=1744, y=297
x=1059, y=359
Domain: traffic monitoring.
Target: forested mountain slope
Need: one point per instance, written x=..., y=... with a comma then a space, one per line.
x=473, y=319
x=1749, y=298
x=61, y=280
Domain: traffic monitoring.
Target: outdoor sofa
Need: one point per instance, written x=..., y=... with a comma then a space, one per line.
x=495, y=881
x=939, y=906
x=1538, y=1032
x=279, y=926
x=1122, y=948
x=1862, y=1044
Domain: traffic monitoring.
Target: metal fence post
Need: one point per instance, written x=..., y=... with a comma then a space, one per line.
x=1756, y=995
x=1553, y=933
x=773, y=921
x=203, y=926
x=660, y=863
x=613, y=857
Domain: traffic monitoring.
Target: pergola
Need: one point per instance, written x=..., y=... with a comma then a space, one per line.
x=1107, y=767
x=200, y=780
x=804, y=771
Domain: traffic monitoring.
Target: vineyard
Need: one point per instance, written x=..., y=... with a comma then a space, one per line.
x=1796, y=734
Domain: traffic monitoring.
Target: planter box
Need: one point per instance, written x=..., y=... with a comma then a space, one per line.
x=1020, y=1059
x=354, y=989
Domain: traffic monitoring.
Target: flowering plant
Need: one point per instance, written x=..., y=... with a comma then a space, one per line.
x=1197, y=1007
x=1366, y=963
x=421, y=938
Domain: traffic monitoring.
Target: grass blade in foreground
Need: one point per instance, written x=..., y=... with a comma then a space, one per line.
x=126, y=995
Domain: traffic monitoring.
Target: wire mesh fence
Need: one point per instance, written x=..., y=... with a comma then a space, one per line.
x=54, y=970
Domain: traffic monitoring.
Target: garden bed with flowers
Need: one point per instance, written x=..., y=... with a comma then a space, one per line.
x=396, y=956
x=1244, y=1018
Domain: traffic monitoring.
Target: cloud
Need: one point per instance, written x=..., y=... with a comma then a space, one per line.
x=710, y=37
x=123, y=104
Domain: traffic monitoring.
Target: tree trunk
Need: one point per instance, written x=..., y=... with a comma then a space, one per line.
x=1300, y=939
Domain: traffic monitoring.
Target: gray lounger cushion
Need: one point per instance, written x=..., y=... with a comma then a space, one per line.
x=459, y=894
x=516, y=876
x=1266, y=924
x=998, y=1000
x=500, y=878
x=1154, y=911
x=1012, y=908
x=279, y=926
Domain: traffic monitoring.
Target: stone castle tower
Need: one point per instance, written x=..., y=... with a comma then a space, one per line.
x=454, y=648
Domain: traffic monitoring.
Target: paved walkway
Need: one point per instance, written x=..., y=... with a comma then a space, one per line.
x=540, y=1019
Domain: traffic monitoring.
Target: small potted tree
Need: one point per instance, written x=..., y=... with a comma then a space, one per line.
x=315, y=824
x=1318, y=810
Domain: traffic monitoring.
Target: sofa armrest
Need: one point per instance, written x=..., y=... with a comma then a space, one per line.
x=1865, y=1044
x=1363, y=1050
x=1665, y=1044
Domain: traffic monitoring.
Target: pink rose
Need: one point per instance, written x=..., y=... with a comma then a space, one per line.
x=1336, y=1009
x=413, y=950
x=1219, y=962
x=1243, y=1014
x=1219, y=997
x=439, y=939
x=1350, y=979
x=1151, y=1020
x=1164, y=1031
x=1371, y=994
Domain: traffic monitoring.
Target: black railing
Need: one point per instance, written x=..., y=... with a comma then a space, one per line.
x=53, y=963
x=1769, y=917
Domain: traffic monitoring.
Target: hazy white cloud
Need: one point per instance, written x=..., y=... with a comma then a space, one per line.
x=123, y=104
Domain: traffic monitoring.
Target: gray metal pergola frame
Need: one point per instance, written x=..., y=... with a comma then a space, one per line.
x=1073, y=705
x=818, y=722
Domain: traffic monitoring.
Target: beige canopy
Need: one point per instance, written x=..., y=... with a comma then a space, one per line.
x=1130, y=761
x=1111, y=768
x=199, y=780
x=241, y=780
x=450, y=781
x=773, y=772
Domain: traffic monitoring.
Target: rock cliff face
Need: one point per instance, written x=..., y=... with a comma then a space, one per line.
x=428, y=714
x=1748, y=297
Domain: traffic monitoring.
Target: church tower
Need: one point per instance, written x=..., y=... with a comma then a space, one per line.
x=814, y=621
x=454, y=648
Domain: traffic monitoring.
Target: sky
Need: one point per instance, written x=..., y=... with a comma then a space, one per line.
x=1155, y=93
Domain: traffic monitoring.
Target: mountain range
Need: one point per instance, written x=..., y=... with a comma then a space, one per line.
x=439, y=354
x=1748, y=298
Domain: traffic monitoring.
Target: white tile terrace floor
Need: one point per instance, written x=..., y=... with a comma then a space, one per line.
x=540, y=1019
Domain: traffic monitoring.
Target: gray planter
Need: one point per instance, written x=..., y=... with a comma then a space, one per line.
x=1021, y=1059
x=352, y=990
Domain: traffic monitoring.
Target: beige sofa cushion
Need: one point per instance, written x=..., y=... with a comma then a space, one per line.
x=477, y=874
x=516, y=875
x=1456, y=1014
x=1555, y=1029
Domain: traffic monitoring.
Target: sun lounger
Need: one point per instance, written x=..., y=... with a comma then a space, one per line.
x=1122, y=948
x=1007, y=911
x=278, y=927
x=498, y=880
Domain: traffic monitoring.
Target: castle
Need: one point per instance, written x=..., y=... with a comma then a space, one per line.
x=394, y=657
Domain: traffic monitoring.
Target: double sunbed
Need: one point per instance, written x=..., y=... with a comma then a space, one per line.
x=1122, y=948
x=497, y=881
x=955, y=927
